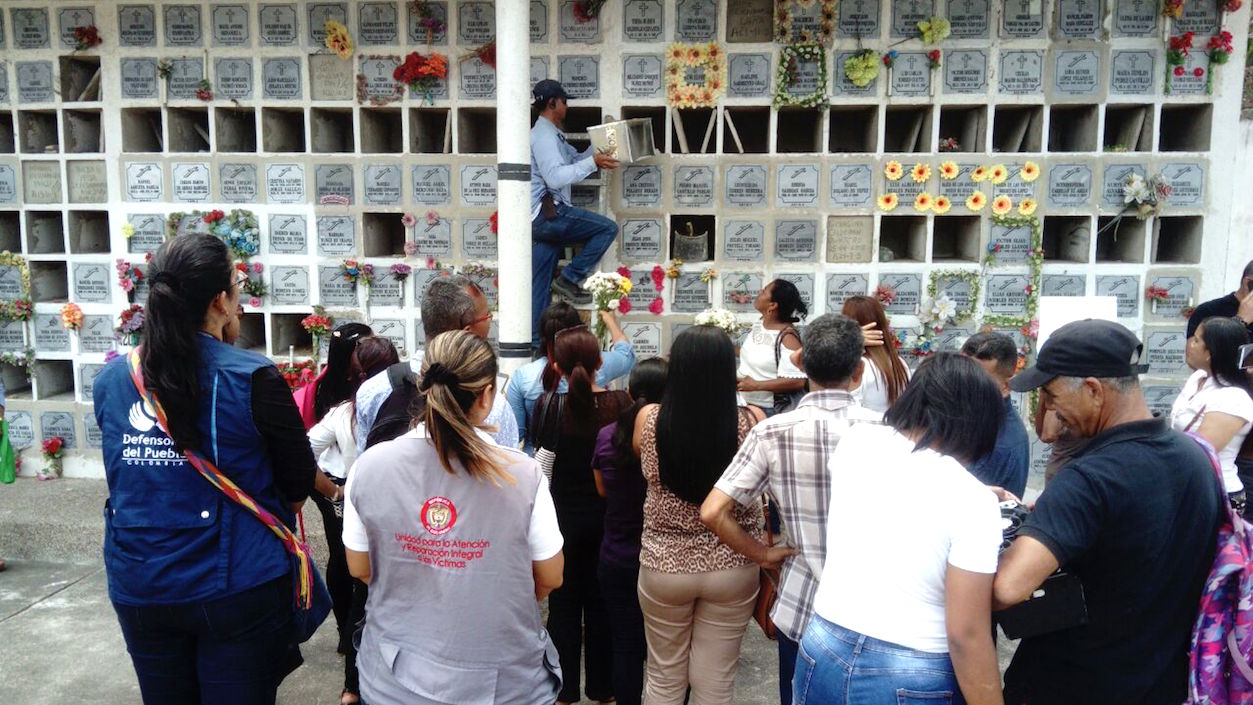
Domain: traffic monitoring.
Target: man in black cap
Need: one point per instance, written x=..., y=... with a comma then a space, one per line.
x=1134, y=516
x=555, y=223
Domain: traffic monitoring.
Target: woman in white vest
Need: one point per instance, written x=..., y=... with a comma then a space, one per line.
x=458, y=540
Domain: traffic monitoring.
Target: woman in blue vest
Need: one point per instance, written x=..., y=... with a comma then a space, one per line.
x=201, y=587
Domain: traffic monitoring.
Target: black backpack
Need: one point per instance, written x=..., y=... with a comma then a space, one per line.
x=395, y=416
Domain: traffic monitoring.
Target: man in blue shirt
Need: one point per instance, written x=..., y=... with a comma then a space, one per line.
x=1007, y=465
x=555, y=223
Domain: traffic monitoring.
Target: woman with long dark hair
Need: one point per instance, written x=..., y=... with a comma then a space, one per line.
x=202, y=587
x=767, y=377
x=695, y=592
x=886, y=373
x=335, y=383
x=616, y=469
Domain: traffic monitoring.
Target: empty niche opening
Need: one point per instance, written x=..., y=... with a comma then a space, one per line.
x=16, y=385
x=903, y=238
x=798, y=130
x=692, y=237
x=282, y=130
x=10, y=231
x=45, y=232
x=907, y=128
x=1128, y=128
x=80, y=78
x=963, y=128
x=384, y=234
x=853, y=129
x=188, y=129
x=1017, y=128
x=1072, y=128
x=476, y=130
x=747, y=130
x=49, y=282
x=579, y=119
x=54, y=379
x=1186, y=128
x=252, y=333
x=38, y=131
x=429, y=131
x=331, y=130
x=89, y=232
x=290, y=338
x=82, y=131
x=141, y=130
x=1177, y=239
x=1119, y=240
x=955, y=238
x=692, y=131
x=381, y=131
x=8, y=143
x=658, y=117
x=1067, y=238
x=236, y=129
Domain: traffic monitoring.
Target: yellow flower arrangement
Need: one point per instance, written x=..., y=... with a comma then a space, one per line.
x=920, y=173
x=893, y=170
x=1030, y=172
x=1026, y=206
x=979, y=174
x=338, y=39
x=948, y=171
x=922, y=202
x=1002, y=205
x=977, y=201
x=998, y=174
x=888, y=202
x=941, y=205
x=128, y=230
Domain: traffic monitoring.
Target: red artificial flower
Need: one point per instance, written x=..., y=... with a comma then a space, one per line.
x=1198, y=72
x=933, y=55
x=1178, y=70
x=656, y=306
x=214, y=216
x=623, y=271
x=624, y=306
x=495, y=221
x=659, y=277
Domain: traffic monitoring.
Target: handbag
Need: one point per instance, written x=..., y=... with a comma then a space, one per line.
x=547, y=207
x=786, y=401
x=546, y=430
x=768, y=590
x=1056, y=605
x=312, y=599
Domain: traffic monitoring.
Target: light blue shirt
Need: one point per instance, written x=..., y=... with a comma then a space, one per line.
x=526, y=385
x=374, y=391
x=555, y=165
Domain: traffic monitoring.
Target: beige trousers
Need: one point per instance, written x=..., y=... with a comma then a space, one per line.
x=694, y=624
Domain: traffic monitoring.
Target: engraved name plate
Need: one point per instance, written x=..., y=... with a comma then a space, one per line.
x=182, y=25
x=21, y=428
x=795, y=239
x=1022, y=18
x=739, y=289
x=641, y=186
x=393, y=330
x=1077, y=73
x=1069, y=185
x=336, y=235
x=477, y=239
x=149, y=232
x=95, y=438
x=539, y=21
x=841, y=286
x=858, y=18
x=572, y=29
x=433, y=238
x=382, y=184
x=1015, y=186
x=185, y=77
x=911, y=75
x=643, y=20
x=238, y=182
x=969, y=18
x=285, y=183
x=30, y=28
x=42, y=182
x=70, y=19
x=906, y=14
x=850, y=239
x=958, y=189
x=750, y=21
x=1124, y=287
x=908, y=288
x=59, y=424
x=804, y=285
x=34, y=82
x=1131, y=72
x=10, y=283
x=1187, y=182
x=277, y=25
x=1135, y=18
x=1021, y=71
x=478, y=185
x=87, y=376
x=386, y=287
x=694, y=185
x=91, y=283
x=1161, y=398
x=851, y=186
x=842, y=85
x=478, y=80
x=749, y=75
x=745, y=186
x=1006, y=294
x=1079, y=19
x=377, y=23
x=1014, y=242
x=641, y=238
x=697, y=20
x=334, y=290
x=234, y=78
x=539, y=69
x=431, y=185
x=50, y=335
x=191, y=182
x=139, y=78
x=1202, y=18
x=1164, y=351
x=137, y=25
x=644, y=337
x=376, y=83
x=1112, y=181
x=744, y=240
x=691, y=295
x=580, y=75
x=966, y=71
x=1179, y=296
x=1062, y=285
x=958, y=289
x=1190, y=83
x=330, y=78
x=8, y=184
x=288, y=234
x=230, y=25
x=797, y=186
x=333, y=184
x=641, y=76
x=808, y=79
x=96, y=334
x=420, y=32
x=87, y=181
x=321, y=13
x=476, y=23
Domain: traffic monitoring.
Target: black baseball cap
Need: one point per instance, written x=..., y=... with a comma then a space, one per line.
x=1088, y=348
x=546, y=90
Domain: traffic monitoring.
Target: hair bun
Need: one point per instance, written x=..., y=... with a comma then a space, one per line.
x=438, y=374
x=164, y=277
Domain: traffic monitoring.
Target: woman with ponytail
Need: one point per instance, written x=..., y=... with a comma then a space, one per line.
x=458, y=540
x=202, y=586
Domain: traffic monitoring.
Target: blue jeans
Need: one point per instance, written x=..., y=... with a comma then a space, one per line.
x=233, y=651
x=837, y=666
x=572, y=226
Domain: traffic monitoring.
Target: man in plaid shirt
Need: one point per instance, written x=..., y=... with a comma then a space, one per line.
x=785, y=457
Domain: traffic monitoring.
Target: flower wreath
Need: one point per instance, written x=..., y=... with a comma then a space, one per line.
x=1035, y=258
x=10, y=259
x=239, y=229
x=783, y=21
x=696, y=75
x=973, y=278
x=788, y=74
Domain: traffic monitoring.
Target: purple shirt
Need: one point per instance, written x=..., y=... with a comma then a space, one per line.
x=624, y=502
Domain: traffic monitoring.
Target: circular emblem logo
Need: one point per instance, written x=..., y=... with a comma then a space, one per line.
x=438, y=515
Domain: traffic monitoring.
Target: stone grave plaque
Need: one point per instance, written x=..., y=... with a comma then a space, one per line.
x=1189, y=83
x=745, y=186
x=1041, y=452
x=1015, y=186
x=641, y=75
x=905, y=188
x=336, y=235
x=136, y=25
x=433, y=238
x=1124, y=287
x=694, y=186
x=804, y=282
x=477, y=239
x=1077, y=73
x=144, y=182
x=95, y=438
x=285, y=183
x=191, y=182
x=230, y=25
x=4, y=74
x=234, y=78
x=1112, y=181
x=8, y=184
x=10, y=283
x=333, y=289
x=808, y=79
x=841, y=85
x=580, y=75
x=806, y=22
x=1131, y=72
x=377, y=23
x=691, y=295
x=330, y=78
x=277, y=25
x=1179, y=296
x=333, y=184
x=21, y=429
x=969, y=18
x=431, y=185
x=419, y=34
x=149, y=232
x=280, y=79
x=539, y=69
x=1014, y=241
x=697, y=20
x=966, y=71
x=1021, y=71
x=1160, y=398
x=858, y=18
x=641, y=239
x=387, y=288
x=911, y=75
x=850, y=238
x=750, y=21
x=796, y=239
x=1135, y=18
x=375, y=83
x=34, y=82
x=139, y=78
x=144, y=285
x=478, y=80
x=644, y=337
x=1006, y=294
x=478, y=185
x=797, y=186
x=642, y=290
x=644, y=20
x=1063, y=285
x=840, y=286
x=739, y=289
x=71, y=18
x=641, y=186
x=185, y=77
x=30, y=28
x=572, y=30
x=748, y=75
x=87, y=181
x=908, y=288
x=91, y=283
x=1079, y=19
x=237, y=183
x=952, y=337
x=392, y=329
x=182, y=25
x=1022, y=18
x=1187, y=181
x=958, y=290
x=539, y=22
x=1069, y=185
x=59, y=424
x=50, y=335
x=382, y=184
x=87, y=378
x=1164, y=350
x=744, y=240
x=41, y=182
x=851, y=186
x=958, y=189
x=476, y=22
x=906, y=14
x=321, y=13
x=1201, y=17
x=288, y=234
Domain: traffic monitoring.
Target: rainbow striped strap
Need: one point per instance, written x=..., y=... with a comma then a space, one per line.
x=304, y=586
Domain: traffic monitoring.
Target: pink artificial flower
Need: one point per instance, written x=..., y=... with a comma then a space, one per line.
x=254, y=302
x=624, y=306
x=411, y=248
x=408, y=220
x=430, y=263
x=127, y=285
x=257, y=268
x=656, y=306
x=432, y=218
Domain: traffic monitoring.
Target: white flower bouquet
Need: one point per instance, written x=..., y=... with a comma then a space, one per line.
x=719, y=318
x=609, y=291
